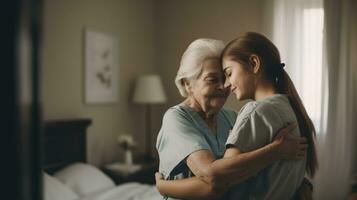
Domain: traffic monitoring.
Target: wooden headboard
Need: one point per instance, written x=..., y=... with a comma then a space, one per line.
x=64, y=142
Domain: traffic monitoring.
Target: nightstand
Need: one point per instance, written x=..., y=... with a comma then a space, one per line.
x=122, y=173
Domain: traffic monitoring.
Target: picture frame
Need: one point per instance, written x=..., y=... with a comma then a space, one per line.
x=100, y=68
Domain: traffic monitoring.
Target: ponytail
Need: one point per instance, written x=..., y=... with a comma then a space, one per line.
x=285, y=86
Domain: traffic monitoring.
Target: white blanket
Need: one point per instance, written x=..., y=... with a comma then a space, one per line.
x=128, y=191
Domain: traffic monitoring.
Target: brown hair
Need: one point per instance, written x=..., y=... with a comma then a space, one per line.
x=240, y=50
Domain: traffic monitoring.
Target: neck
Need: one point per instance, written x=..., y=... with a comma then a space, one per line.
x=208, y=117
x=264, y=89
x=205, y=113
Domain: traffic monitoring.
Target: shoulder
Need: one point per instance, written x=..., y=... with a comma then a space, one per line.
x=257, y=109
x=175, y=113
x=273, y=108
x=179, y=117
x=255, y=126
x=247, y=110
x=265, y=108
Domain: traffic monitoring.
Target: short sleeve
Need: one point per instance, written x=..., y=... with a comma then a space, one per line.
x=178, y=138
x=255, y=127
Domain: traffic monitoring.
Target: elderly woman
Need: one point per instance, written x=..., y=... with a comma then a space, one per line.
x=193, y=133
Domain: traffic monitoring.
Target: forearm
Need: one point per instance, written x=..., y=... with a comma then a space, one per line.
x=189, y=188
x=238, y=168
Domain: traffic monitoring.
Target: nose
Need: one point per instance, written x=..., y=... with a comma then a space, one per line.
x=226, y=84
x=221, y=85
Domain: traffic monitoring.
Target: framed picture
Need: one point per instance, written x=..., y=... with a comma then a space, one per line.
x=101, y=68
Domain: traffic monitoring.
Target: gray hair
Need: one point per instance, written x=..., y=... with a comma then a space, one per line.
x=192, y=60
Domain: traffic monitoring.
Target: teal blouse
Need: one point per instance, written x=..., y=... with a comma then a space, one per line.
x=183, y=132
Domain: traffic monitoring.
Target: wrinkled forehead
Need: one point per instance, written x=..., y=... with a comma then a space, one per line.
x=212, y=66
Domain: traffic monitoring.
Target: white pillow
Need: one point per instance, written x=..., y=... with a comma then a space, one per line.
x=55, y=190
x=84, y=179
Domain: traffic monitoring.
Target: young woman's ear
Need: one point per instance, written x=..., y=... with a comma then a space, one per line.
x=255, y=63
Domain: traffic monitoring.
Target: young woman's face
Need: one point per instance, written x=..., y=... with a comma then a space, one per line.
x=240, y=78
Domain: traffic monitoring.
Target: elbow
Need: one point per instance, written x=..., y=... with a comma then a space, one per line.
x=159, y=190
x=214, y=192
x=210, y=177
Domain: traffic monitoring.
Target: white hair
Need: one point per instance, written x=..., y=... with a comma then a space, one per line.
x=192, y=60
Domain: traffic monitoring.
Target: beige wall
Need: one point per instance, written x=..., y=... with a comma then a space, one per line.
x=133, y=23
x=152, y=35
x=182, y=21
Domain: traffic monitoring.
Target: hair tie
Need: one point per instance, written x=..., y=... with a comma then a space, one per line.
x=278, y=70
x=282, y=65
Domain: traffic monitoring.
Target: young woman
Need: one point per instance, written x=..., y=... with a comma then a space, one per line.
x=253, y=70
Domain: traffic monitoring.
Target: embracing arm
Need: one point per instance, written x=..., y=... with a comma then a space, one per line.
x=208, y=183
x=214, y=177
x=189, y=188
x=233, y=168
x=236, y=167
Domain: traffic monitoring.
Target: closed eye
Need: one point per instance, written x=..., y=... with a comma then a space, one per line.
x=227, y=72
x=212, y=79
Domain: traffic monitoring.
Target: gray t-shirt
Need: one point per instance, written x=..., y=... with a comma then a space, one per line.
x=257, y=124
x=183, y=132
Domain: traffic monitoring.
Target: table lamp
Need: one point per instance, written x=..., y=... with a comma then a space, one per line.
x=149, y=91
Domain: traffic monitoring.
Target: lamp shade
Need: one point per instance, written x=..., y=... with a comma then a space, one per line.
x=149, y=90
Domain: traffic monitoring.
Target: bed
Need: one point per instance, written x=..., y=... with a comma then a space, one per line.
x=67, y=175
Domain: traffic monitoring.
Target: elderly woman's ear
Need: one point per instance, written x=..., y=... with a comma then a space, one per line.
x=187, y=86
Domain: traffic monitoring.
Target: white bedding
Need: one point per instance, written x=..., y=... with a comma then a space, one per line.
x=80, y=181
x=127, y=191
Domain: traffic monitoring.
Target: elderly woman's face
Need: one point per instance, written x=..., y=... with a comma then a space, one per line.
x=208, y=90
